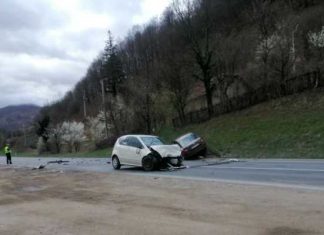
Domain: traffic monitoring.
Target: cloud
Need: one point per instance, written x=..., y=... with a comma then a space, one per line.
x=47, y=45
x=19, y=14
x=150, y=9
x=38, y=80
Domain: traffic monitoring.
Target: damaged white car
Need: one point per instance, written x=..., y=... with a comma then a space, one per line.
x=145, y=151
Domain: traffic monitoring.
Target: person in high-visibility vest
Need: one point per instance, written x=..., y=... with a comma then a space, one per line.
x=7, y=151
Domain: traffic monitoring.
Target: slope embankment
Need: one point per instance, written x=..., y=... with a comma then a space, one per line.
x=290, y=127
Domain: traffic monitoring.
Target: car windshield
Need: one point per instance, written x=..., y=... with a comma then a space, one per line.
x=187, y=139
x=151, y=141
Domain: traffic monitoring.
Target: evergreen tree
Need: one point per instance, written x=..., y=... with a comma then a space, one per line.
x=112, y=66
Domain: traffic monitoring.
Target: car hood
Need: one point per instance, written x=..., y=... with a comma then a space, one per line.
x=167, y=150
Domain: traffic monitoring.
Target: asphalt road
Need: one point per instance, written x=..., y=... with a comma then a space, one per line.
x=289, y=173
x=307, y=174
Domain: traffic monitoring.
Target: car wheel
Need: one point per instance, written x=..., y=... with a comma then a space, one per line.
x=116, y=163
x=149, y=163
x=204, y=152
x=180, y=161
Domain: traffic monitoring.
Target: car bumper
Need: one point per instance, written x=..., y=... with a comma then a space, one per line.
x=173, y=161
x=195, y=151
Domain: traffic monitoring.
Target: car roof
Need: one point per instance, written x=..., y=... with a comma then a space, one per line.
x=189, y=133
x=137, y=136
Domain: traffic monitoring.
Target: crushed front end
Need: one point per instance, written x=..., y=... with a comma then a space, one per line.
x=168, y=155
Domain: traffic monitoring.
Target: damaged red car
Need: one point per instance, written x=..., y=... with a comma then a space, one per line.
x=191, y=145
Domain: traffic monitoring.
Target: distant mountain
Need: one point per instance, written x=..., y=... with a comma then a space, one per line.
x=13, y=118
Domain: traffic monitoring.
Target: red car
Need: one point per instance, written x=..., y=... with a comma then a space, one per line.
x=191, y=145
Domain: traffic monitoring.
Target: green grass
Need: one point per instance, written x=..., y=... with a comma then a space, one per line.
x=101, y=153
x=291, y=127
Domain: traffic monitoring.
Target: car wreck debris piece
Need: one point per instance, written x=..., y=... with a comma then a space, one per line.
x=51, y=162
x=172, y=168
x=40, y=167
x=57, y=162
x=226, y=161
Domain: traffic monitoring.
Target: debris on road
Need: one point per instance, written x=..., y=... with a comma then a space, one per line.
x=173, y=168
x=40, y=167
x=51, y=162
x=57, y=162
x=226, y=161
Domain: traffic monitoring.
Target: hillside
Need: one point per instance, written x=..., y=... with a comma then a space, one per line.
x=13, y=118
x=291, y=127
x=226, y=46
x=256, y=48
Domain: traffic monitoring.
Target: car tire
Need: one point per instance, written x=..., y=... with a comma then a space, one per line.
x=204, y=152
x=180, y=161
x=116, y=163
x=149, y=163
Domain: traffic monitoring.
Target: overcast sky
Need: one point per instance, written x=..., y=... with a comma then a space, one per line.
x=46, y=46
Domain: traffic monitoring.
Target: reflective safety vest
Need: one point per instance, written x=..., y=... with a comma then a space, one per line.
x=7, y=150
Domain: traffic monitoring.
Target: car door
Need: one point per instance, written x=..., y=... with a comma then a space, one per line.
x=134, y=151
x=123, y=149
x=139, y=150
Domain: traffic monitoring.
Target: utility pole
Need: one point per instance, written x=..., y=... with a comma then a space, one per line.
x=25, y=138
x=84, y=104
x=294, y=49
x=104, y=104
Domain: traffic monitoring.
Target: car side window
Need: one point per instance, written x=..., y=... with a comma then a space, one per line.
x=123, y=141
x=134, y=142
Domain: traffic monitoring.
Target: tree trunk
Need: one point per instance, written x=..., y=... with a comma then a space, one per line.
x=148, y=115
x=209, y=99
x=181, y=114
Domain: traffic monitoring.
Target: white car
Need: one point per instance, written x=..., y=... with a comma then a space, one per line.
x=145, y=151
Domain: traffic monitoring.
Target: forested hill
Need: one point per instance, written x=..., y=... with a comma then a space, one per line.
x=152, y=74
x=13, y=118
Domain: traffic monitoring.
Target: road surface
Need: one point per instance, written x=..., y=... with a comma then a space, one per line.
x=288, y=173
x=55, y=202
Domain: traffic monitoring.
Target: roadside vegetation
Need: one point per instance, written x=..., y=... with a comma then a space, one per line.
x=291, y=127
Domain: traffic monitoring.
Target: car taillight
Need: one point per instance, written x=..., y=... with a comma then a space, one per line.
x=184, y=152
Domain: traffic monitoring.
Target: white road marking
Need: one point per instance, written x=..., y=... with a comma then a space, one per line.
x=240, y=182
x=276, y=161
x=265, y=168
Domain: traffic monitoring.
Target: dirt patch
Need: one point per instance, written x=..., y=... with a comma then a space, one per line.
x=288, y=231
x=54, y=202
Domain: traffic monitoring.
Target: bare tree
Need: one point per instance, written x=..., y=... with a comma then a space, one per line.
x=229, y=59
x=282, y=58
x=139, y=61
x=198, y=29
x=56, y=137
x=175, y=66
x=263, y=16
